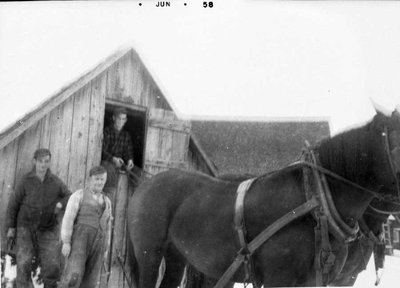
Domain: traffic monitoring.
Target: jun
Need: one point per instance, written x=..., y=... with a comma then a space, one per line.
x=163, y=4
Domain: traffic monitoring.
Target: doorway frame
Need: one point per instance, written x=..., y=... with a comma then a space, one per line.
x=134, y=108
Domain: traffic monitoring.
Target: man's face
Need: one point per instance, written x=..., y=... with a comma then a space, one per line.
x=42, y=164
x=119, y=121
x=96, y=182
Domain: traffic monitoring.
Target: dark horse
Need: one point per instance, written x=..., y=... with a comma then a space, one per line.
x=190, y=214
x=369, y=240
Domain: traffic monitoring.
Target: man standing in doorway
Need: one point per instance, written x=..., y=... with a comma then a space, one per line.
x=117, y=149
x=32, y=220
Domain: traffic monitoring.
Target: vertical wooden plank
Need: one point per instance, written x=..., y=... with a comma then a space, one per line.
x=27, y=145
x=166, y=136
x=146, y=88
x=119, y=80
x=152, y=141
x=179, y=144
x=60, y=140
x=8, y=156
x=79, y=145
x=45, y=133
x=151, y=147
x=137, y=82
x=126, y=74
x=121, y=201
x=164, y=142
x=151, y=96
x=96, y=121
x=165, y=147
x=111, y=82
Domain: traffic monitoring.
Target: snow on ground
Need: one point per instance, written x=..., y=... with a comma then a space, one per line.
x=390, y=275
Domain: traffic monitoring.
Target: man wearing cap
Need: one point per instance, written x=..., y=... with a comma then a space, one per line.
x=32, y=220
x=86, y=232
x=117, y=149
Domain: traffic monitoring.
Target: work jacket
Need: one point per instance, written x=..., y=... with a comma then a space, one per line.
x=33, y=202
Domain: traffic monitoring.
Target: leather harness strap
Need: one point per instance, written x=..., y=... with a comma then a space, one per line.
x=267, y=233
x=320, y=203
x=240, y=227
x=239, y=211
x=328, y=221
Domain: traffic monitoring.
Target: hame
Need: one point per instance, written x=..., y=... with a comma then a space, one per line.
x=163, y=4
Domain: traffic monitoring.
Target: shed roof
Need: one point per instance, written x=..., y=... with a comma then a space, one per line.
x=256, y=147
x=15, y=129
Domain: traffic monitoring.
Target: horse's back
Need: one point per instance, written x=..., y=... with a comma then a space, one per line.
x=155, y=200
x=173, y=183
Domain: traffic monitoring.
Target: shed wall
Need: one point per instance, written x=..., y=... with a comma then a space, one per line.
x=128, y=81
x=72, y=131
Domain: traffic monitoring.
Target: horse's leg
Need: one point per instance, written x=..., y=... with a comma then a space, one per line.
x=174, y=268
x=148, y=266
x=149, y=244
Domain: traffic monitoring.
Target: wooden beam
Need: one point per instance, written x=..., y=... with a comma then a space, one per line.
x=198, y=146
x=129, y=106
x=178, y=125
x=167, y=164
x=64, y=93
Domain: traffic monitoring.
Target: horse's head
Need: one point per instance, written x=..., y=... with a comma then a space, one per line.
x=386, y=159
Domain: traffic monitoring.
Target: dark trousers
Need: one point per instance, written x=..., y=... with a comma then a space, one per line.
x=112, y=177
x=83, y=265
x=47, y=246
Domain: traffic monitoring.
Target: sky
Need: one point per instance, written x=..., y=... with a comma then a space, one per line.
x=240, y=59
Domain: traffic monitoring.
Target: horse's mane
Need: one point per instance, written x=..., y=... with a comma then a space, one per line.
x=347, y=153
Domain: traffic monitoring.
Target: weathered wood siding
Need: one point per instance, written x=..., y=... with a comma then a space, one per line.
x=128, y=81
x=70, y=124
x=167, y=142
x=120, y=237
x=73, y=133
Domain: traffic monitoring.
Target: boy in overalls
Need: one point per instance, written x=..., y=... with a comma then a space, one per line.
x=85, y=232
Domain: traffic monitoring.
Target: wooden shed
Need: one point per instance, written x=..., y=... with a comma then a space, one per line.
x=70, y=123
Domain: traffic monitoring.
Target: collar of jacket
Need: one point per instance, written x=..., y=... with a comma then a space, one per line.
x=47, y=177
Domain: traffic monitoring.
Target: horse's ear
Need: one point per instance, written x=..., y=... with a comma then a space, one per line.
x=380, y=110
x=396, y=113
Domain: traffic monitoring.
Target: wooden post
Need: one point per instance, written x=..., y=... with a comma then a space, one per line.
x=118, y=246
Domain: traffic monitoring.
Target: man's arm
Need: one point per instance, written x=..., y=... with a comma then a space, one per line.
x=109, y=228
x=65, y=193
x=128, y=147
x=14, y=205
x=69, y=217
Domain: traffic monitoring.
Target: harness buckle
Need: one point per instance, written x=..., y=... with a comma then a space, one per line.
x=245, y=252
x=329, y=262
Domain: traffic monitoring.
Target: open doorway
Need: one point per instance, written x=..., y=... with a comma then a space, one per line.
x=135, y=126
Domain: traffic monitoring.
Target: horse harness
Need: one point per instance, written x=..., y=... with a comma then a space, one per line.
x=320, y=204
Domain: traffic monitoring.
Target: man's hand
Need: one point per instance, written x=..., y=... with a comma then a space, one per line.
x=118, y=162
x=66, y=249
x=11, y=234
x=130, y=164
x=10, y=238
x=57, y=209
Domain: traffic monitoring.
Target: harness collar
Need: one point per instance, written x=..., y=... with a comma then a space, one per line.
x=339, y=228
x=385, y=134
